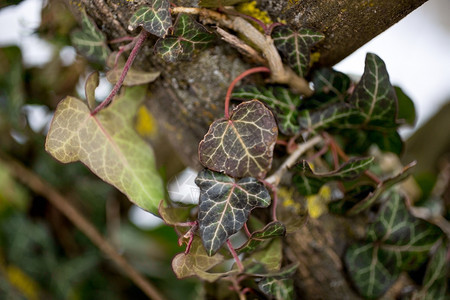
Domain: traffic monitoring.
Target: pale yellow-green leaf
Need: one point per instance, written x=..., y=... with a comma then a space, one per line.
x=91, y=84
x=270, y=256
x=108, y=144
x=186, y=265
x=133, y=77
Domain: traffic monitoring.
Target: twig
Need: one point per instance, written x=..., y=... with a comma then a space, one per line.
x=279, y=72
x=39, y=186
x=241, y=46
x=275, y=178
x=141, y=38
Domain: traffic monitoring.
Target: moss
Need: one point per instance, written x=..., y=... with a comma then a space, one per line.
x=250, y=9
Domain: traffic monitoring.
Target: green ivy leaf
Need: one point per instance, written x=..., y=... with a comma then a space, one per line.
x=219, y=3
x=188, y=36
x=197, y=260
x=371, y=277
x=295, y=46
x=349, y=170
x=337, y=115
x=434, y=286
x=388, y=140
x=264, y=262
x=381, y=188
x=133, y=77
x=284, y=104
x=280, y=285
x=374, y=95
x=90, y=41
x=108, y=144
x=242, y=145
x=156, y=19
x=406, y=109
x=89, y=87
x=330, y=86
x=271, y=230
x=396, y=241
x=225, y=205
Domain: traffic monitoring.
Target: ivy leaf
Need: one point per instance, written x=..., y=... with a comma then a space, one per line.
x=374, y=95
x=284, y=104
x=173, y=215
x=89, y=87
x=219, y=3
x=295, y=46
x=133, y=77
x=225, y=205
x=197, y=260
x=266, y=260
x=406, y=109
x=349, y=170
x=381, y=188
x=396, y=241
x=371, y=277
x=188, y=36
x=280, y=285
x=90, y=41
x=388, y=140
x=330, y=86
x=337, y=115
x=242, y=145
x=435, y=281
x=155, y=19
x=108, y=144
x=271, y=230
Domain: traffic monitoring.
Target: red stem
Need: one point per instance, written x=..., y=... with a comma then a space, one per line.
x=140, y=41
x=273, y=188
x=247, y=232
x=235, y=81
x=235, y=256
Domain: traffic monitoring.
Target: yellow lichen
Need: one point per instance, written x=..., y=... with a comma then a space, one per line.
x=315, y=56
x=317, y=204
x=250, y=9
x=145, y=123
x=286, y=197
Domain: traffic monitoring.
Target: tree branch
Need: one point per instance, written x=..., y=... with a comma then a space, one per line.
x=39, y=186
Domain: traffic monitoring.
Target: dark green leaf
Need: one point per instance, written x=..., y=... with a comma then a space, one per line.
x=155, y=19
x=434, y=285
x=295, y=46
x=349, y=170
x=309, y=183
x=371, y=277
x=374, y=95
x=271, y=230
x=396, y=242
x=242, y=145
x=225, y=205
x=406, y=109
x=219, y=3
x=280, y=289
x=402, y=236
x=284, y=104
x=188, y=36
x=338, y=115
x=330, y=86
x=90, y=41
x=382, y=187
x=389, y=140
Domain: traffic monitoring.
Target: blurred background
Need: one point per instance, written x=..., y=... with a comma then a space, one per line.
x=43, y=256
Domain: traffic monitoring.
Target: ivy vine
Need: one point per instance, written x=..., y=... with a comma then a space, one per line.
x=326, y=134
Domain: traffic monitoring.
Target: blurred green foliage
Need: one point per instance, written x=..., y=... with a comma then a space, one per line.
x=42, y=255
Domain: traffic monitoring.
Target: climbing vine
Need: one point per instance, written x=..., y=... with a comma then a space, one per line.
x=327, y=135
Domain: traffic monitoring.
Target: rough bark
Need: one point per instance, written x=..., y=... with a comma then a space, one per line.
x=189, y=96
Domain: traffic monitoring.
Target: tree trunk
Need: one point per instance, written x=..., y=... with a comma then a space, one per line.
x=189, y=96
